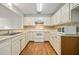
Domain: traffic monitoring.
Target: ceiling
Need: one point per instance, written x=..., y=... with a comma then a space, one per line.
x=30, y=8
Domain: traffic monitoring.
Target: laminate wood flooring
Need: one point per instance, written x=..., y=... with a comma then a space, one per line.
x=38, y=48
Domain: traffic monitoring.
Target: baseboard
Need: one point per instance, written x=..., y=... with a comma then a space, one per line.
x=24, y=48
x=53, y=48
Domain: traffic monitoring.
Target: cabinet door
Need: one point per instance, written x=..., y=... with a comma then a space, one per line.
x=22, y=43
x=73, y=5
x=70, y=45
x=30, y=36
x=38, y=36
x=16, y=47
x=58, y=17
x=46, y=20
x=5, y=47
x=65, y=13
x=53, y=20
x=29, y=21
x=26, y=38
x=58, y=44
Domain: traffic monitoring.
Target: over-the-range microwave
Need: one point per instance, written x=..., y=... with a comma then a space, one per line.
x=61, y=29
x=68, y=30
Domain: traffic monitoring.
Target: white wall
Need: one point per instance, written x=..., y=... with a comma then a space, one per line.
x=9, y=18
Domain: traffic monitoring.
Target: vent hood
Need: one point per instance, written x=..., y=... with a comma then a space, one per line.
x=39, y=22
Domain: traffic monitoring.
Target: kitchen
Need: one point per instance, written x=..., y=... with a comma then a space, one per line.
x=52, y=24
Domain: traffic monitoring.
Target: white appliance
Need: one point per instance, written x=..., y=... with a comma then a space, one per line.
x=69, y=30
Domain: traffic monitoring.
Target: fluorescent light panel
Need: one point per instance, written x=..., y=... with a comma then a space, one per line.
x=9, y=4
x=39, y=7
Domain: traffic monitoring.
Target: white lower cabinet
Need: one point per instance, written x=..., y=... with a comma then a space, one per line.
x=56, y=43
x=5, y=47
x=15, y=46
x=38, y=36
x=22, y=43
x=18, y=44
x=26, y=39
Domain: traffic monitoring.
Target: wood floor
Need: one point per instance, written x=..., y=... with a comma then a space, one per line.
x=36, y=48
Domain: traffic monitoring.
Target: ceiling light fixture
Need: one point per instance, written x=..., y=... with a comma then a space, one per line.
x=10, y=4
x=39, y=7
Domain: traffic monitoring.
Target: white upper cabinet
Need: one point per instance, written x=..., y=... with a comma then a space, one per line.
x=58, y=17
x=9, y=19
x=73, y=5
x=62, y=15
x=74, y=12
x=46, y=21
x=30, y=21
x=65, y=13
x=52, y=20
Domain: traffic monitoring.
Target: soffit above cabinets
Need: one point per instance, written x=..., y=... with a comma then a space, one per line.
x=30, y=8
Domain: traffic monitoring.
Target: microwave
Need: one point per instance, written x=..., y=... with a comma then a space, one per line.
x=61, y=29
x=68, y=30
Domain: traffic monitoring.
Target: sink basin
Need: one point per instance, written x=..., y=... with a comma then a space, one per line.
x=9, y=34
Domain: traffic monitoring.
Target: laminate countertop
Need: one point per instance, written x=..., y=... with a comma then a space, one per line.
x=4, y=37
x=68, y=35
